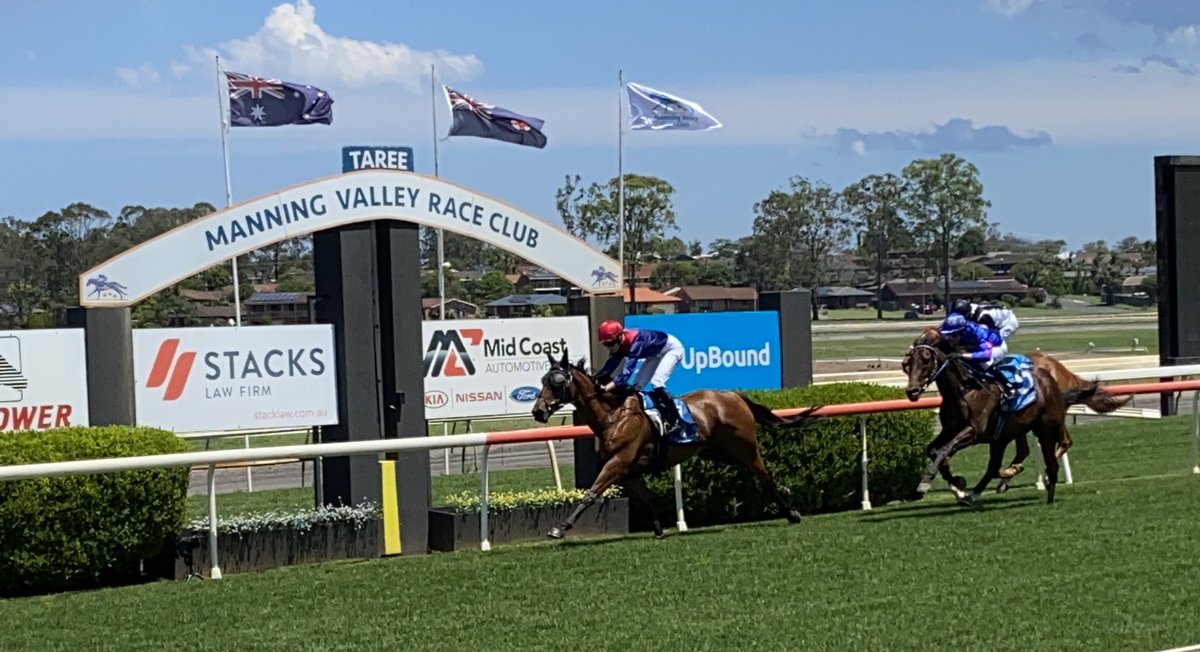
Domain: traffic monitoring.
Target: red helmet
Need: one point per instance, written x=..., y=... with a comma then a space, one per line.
x=609, y=331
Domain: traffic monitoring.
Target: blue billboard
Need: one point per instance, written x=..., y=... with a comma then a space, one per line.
x=722, y=350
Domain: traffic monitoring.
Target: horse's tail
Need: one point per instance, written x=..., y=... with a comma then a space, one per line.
x=1077, y=390
x=764, y=416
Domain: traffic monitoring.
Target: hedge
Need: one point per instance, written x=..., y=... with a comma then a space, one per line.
x=82, y=531
x=821, y=465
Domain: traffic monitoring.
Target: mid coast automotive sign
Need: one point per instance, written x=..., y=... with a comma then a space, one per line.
x=722, y=350
x=202, y=379
x=491, y=367
x=42, y=384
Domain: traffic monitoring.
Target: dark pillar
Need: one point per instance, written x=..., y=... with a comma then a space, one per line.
x=404, y=383
x=597, y=309
x=795, y=334
x=108, y=341
x=1177, y=211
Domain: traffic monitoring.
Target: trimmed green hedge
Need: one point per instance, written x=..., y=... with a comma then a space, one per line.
x=81, y=531
x=821, y=465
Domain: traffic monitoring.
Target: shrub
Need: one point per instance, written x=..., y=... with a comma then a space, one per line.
x=821, y=465
x=499, y=501
x=1009, y=300
x=86, y=530
x=1028, y=302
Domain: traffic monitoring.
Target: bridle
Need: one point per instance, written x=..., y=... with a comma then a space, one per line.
x=562, y=387
x=942, y=367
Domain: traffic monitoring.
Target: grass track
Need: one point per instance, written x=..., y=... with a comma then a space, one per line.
x=895, y=345
x=1111, y=566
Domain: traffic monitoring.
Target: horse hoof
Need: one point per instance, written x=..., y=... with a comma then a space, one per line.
x=555, y=533
x=924, y=487
x=1002, y=488
x=793, y=516
x=959, y=482
x=967, y=501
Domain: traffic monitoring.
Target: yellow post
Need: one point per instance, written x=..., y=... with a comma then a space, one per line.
x=391, y=509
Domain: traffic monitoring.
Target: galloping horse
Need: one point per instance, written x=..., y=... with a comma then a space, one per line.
x=1080, y=391
x=971, y=412
x=726, y=425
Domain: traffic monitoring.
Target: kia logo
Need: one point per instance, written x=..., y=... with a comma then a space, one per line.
x=524, y=394
x=435, y=399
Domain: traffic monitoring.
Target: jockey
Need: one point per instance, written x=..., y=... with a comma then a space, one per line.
x=979, y=344
x=661, y=352
x=997, y=317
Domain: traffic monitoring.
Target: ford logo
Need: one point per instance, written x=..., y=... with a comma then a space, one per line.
x=524, y=394
x=435, y=399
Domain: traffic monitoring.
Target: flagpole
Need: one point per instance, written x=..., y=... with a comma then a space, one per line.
x=441, y=250
x=223, y=112
x=621, y=180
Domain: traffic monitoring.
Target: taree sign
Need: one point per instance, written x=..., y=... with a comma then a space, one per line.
x=337, y=201
x=205, y=379
x=363, y=157
x=493, y=367
x=43, y=383
x=722, y=350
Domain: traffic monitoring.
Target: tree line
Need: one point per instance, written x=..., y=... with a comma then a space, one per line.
x=910, y=224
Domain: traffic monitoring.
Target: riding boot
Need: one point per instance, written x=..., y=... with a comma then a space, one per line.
x=670, y=417
x=1007, y=390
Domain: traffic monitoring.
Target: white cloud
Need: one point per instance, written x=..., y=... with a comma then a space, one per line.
x=144, y=75
x=859, y=147
x=31, y=55
x=290, y=45
x=1009, y=7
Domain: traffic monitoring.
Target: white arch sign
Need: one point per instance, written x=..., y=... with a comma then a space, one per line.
x=336, y=201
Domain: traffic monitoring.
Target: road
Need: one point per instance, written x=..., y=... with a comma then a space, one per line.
x=523, y=456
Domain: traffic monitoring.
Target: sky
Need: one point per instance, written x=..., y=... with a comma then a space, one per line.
x=1061, y=104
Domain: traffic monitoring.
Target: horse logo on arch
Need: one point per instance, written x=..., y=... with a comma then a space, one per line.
x=100, y=284
x=602, y=277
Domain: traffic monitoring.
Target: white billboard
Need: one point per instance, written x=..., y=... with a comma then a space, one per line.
x=206, y=379
x=43, y=380
x=493, y=367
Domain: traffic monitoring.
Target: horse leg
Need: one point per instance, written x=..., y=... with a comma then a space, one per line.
x=958, y=484
x=996, y=453
x=959, y=440
x=635, y=484
x=616, y=467
x=746, y=451
x=1015, y=467
x=1049, y=438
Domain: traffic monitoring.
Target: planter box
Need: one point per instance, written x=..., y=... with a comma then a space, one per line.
x=451, y=530
x=257, y=551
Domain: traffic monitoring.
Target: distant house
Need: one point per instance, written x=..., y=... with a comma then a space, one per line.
x=907, y=293
x=541, y=281
x=278, y=307
x=523, y=305
x=840, y=296
x=1000, y=262
x=649, y=300
x=455, y=308
x=714, y=298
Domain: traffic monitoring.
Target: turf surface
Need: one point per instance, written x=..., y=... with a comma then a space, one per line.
x=1110, y=566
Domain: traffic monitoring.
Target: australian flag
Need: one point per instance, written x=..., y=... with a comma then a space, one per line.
x=258, y=102
x=473, y=118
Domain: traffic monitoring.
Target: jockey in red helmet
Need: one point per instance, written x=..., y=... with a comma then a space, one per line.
x=661, y=353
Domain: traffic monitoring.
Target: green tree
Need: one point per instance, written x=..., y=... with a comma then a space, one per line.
x=972, y=243
x=295, y=280
x=944, y=198
x=973, y=272
x=874, y=205
x=794, y=233
x=491, y=286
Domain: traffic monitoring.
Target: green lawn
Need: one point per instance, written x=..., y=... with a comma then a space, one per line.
x=1110, y=566
x=895, y=345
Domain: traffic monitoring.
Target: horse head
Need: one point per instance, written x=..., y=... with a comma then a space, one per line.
x=558, y=387
x=923, y=362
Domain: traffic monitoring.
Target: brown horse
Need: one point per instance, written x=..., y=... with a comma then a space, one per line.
x=726, y=426
x=1079, y=390
x=970, y=413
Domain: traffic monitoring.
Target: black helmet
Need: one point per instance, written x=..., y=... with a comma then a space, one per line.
x=962, y=307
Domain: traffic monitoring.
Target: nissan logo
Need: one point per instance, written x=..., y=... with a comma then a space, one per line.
x=524, y=394
x=435, y=399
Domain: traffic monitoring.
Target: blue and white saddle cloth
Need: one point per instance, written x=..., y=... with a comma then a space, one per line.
x=685, y=435
x=1018, y=370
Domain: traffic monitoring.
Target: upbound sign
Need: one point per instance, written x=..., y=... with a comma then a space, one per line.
x=722, y=350
x=203, y=379
x=42, y=380
x=492, y=367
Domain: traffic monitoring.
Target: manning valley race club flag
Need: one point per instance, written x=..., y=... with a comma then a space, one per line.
x=656, y=110
x=472, y=118
x=258, y=102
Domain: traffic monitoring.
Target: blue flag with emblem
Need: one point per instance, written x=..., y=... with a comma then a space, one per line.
x=472, y=118
x=259, y=102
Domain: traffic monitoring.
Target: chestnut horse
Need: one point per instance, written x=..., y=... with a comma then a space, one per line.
x=726, y=424
x=1100, y=401
x=970, y=413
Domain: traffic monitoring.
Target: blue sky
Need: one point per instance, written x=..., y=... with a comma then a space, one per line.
x=1062, y=104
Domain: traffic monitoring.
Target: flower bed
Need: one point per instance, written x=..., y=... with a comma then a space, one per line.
x=522, y=516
